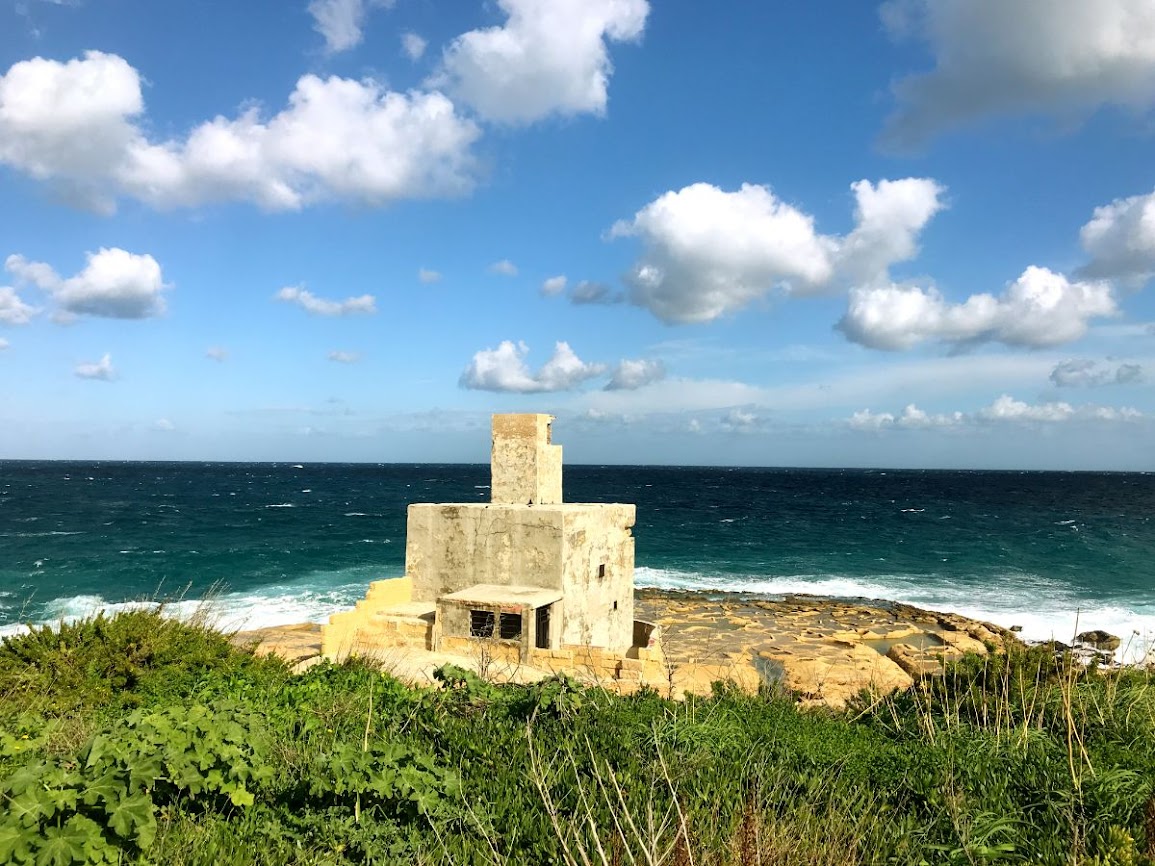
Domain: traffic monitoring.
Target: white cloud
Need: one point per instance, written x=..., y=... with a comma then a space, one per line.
x=504, y=268
x=1040, y=308
x=78, y=126
x=101, y=370
x=163, y=425
x=217, y=353
x=505, y=369
x=1077, y=372
x=428, y=277
x=910, y=418
x=1001, y=56
x=413, y=46
x=14, y=311
x=629, y=375
x=888, y=219
x=114, y=284
x=342, y=357
x=1004, y=410
x=362, y=304
x=341, y=21
x=553, y=285
x=549, y=57
x=1007, y=408
x=590, y=292
x=708, y=252
x=3, y=344
x=740, y=420
x=1120, y=238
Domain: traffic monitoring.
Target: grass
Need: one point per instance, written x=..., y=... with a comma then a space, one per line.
x=138, y=738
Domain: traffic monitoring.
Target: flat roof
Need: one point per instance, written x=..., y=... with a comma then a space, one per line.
x=496, y=595
x=556, y=506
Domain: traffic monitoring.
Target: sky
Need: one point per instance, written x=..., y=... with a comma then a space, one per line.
x=916, y=233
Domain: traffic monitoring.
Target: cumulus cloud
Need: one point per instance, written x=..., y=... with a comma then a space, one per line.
x=1002, y=56
x=114, y=284
x=708, y=252
x=14, y=311
x=428, y=277
x=740, y=420
x=413, y=46
x=342, y=357
x=505, y=369
x=590, y=292
x=3, y=344
x=553, y=285
x=1084, y=373
x=910, y=418
x=504, y=268
x=101, y=370
x=1007, y=408
x=1004, y=410
x=163, y=425
x=888, y=217
x=629, y=375
x=549, y=57
x=1120, y=239
x=1040, y=308
x=341, y=21
x=310, y=303
x=79, y=126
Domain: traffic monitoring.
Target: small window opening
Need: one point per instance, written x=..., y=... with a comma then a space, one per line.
x=542, y=617
x=509, y=626
x=481, y=623
x=615, y=605
x=602, y=570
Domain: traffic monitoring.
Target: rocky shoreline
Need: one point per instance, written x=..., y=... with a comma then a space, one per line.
x=825, y=650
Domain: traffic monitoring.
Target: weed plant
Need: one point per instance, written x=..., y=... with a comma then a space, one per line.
x=140, y=739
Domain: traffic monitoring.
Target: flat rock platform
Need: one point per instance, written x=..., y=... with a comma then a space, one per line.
x=822, y=650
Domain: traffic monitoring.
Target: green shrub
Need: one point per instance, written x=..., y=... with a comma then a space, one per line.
x=124, y=660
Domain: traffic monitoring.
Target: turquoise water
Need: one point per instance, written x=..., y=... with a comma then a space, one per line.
x=275, y=543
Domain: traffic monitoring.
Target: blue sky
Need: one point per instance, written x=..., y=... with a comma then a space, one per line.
x=916, y=233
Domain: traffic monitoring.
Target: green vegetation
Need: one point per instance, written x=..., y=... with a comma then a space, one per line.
x=137, y=739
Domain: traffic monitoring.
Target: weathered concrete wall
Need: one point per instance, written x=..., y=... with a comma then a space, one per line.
x=453, y=547
x=598, y=577
x=586, y=551
x=525, y=468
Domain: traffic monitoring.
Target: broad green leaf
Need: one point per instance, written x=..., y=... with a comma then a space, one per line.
x=27, y=777
x=61, y=846
x=108, y=788
x=28, y=808
x=144, y=772
x=133, y=818
x=13, y=844
x=241, y=797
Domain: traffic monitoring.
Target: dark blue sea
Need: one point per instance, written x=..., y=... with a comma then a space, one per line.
x=280, y=543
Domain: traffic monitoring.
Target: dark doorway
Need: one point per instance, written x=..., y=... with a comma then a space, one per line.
x=542, y=622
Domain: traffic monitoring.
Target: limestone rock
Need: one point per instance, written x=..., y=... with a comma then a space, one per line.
x=1100, y=640
x=917, y=663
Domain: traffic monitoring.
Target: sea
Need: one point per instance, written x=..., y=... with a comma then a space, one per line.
x=259, y=544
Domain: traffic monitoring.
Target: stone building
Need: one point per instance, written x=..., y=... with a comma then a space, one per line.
x=543, y=582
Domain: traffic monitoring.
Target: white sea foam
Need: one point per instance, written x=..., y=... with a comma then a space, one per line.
x=273, y=605
x=1043, y=609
